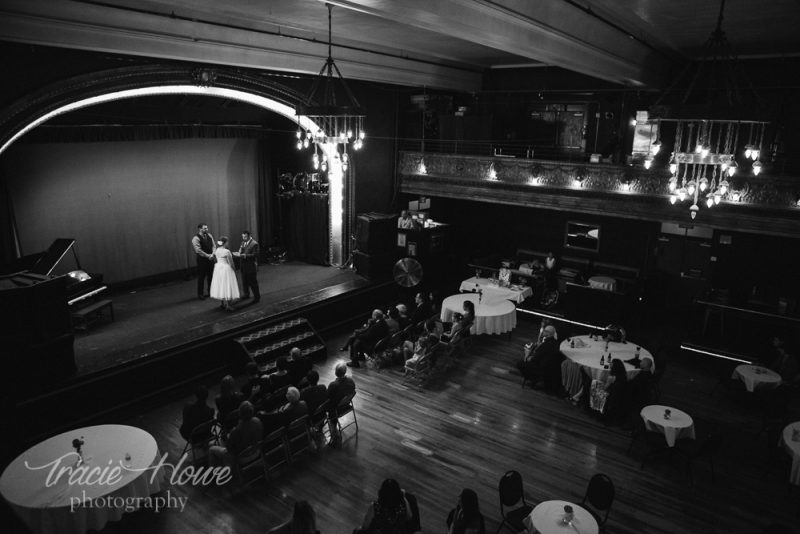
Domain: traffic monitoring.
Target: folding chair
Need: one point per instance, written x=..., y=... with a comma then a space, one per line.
x=298, y=438
x=202, y=436
x=275, y=450
x=511, y=493
x=599, y=497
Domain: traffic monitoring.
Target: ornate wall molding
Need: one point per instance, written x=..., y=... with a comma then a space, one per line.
x=767, y=205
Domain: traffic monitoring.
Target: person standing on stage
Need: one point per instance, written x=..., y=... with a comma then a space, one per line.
x=203, y=244
x=248, y=263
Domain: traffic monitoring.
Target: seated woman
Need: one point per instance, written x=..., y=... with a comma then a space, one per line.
x=466, y=517
x=228, y=400
x=390, y=513
x=420, y=354
x=462, y=324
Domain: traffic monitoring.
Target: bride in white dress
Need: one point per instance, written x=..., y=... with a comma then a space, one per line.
x=224, y=285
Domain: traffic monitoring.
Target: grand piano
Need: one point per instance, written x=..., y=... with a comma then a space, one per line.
x=39, y=295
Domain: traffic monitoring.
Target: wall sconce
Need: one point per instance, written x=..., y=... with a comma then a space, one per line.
x=492, y=172
x=533, y=180
x=422, y=168
x=626, y=185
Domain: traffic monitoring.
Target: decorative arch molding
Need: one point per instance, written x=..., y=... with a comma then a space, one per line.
x=131, y=82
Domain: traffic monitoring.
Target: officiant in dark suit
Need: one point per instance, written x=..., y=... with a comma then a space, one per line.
x=248, y=263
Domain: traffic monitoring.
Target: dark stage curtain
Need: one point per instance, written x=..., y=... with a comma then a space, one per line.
x=267, y=233
x=304, y=225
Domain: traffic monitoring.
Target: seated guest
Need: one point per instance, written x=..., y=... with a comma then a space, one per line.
x=340, y=388
x=303, y=521
x=403, y=319
x=364, y=339
x=466, y=517
x=544, y=362
x=315, y=393
x=228, y=399
x=246, y=433
x=405, y=221
x=641, y=386
x=420, y=354
x=280, y=378
x=393, y=321
x=423, y=310
x=390, y=513
x=461, y=324
x=283, y=416
x=196, y=413
x=783, y=361
x=616, y=387
x=252, y=381
x=299, y=366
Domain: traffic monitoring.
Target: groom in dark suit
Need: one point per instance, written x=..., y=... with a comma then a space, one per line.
x=248, y=260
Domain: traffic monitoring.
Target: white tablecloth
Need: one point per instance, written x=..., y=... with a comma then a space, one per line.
x=756, y=378
x=516, y=294
x=603, y=282
x=587, y=353
x=793, y=448
x=493, y=315
x=678, y=426
x=547, y=518
x=46, y=510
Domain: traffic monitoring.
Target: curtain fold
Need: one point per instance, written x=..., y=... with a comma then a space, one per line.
x=304, y=225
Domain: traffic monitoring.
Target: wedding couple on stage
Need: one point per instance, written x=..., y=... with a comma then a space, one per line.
x=215, y=264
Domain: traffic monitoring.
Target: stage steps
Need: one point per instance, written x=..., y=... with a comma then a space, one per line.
x=266, y=344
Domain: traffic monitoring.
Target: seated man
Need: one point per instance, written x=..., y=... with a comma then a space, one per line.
x=423, y=310
x=283, y=416
x=246, y=433
x=252, y=383
x=280, y=378
x=299, y=366
x=544, y=362
x=365, y=338
x=393, y=321
x=403, y=319
x=196, y=413
x=315, y=393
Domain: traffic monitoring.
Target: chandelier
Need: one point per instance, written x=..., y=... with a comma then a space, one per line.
x=337, y=125
x=710, y=151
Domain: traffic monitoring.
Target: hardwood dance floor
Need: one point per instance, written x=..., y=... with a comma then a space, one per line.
x=468, y=429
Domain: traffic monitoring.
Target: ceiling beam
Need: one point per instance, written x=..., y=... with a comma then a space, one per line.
x=102, y=28
x=549, y=31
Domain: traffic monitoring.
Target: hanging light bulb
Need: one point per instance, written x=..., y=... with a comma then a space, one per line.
x=703, y=184
x=305, y=142
x=682, y=194
x=299, y=144
x=693, y=210
x=673, y=167
x=748, y=151
x=723, y=166
x=723, y=187
x=299, y=134
x=672, y=199
x=756, y=154
x=736, y=196
x=362, y=134
x=349, y=134
x=673, y=183
x=732, y=169
x=698, y=148
x=757, y=167
x=324, y=158
x=717, y=197
x=704, y=151
x=691, y=187
x=648, y=161
x=324, y=166
x=709, y=202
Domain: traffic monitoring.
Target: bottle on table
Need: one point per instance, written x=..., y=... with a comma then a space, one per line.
x=602, y=359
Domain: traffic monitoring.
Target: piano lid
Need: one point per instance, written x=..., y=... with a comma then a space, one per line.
x=53, y=255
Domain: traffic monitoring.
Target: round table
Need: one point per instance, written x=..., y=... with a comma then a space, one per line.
x=603, y=282
x=679, y=425
x=547, y=518
x=792, y=446
x=493, y=315
x=514, y=293
x=587, y=353
x=756, y=377
x=54, y=506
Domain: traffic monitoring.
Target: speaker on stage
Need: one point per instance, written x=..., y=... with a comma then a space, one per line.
x=376, y=233
x=374, y=266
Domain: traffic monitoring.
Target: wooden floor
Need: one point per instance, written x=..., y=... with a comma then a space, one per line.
x=467, y=430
